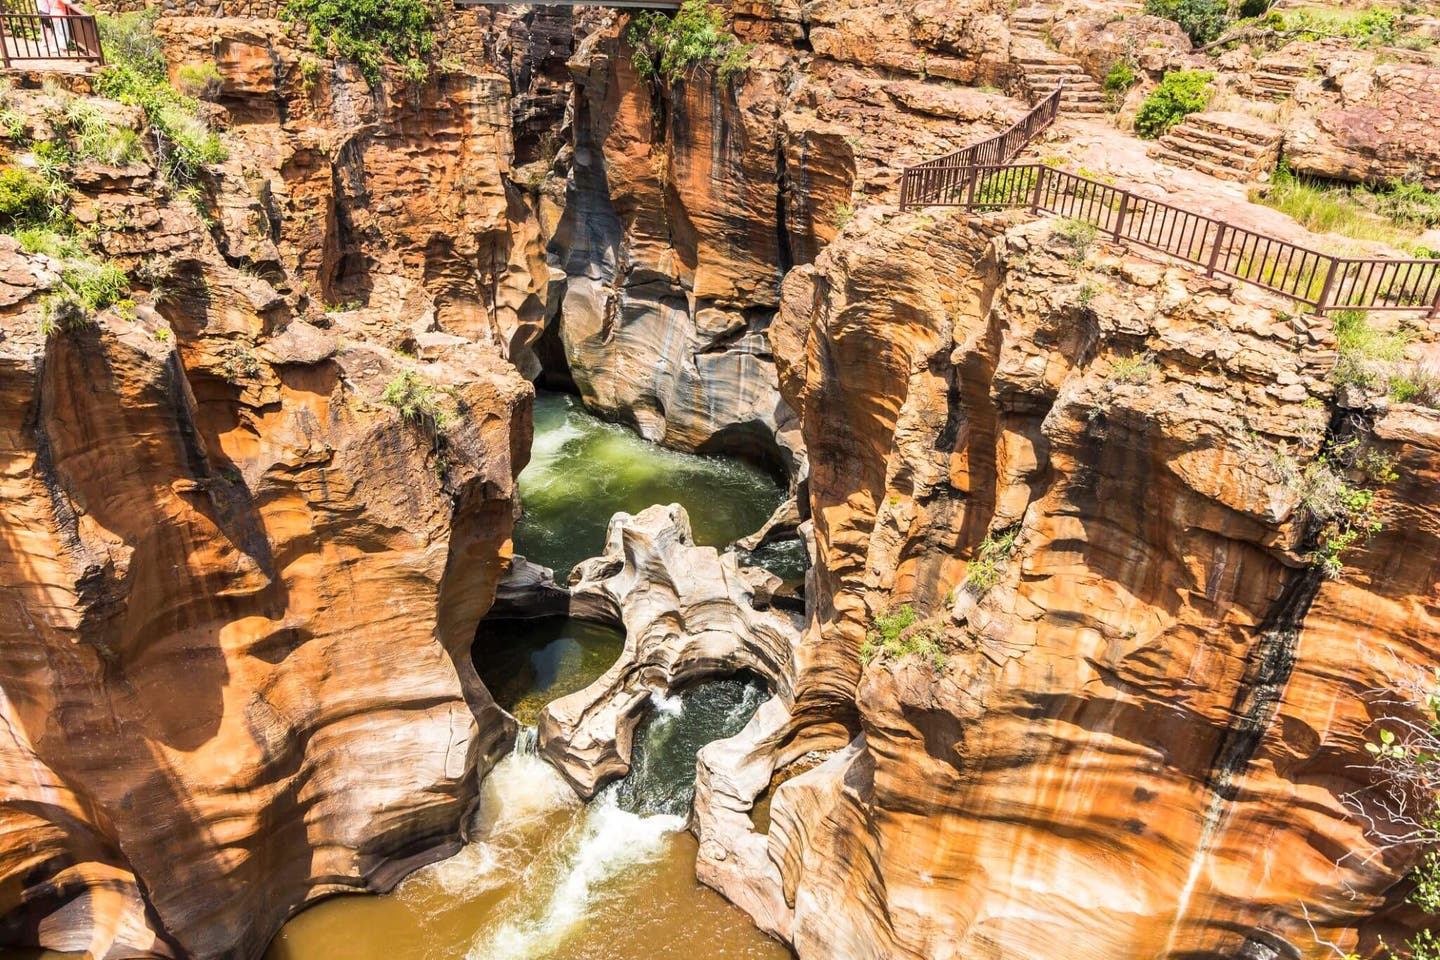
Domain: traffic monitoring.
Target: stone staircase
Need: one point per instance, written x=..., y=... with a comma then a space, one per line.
x=1032, y=23
x=1229, y=146
x=1275, y=77
x=1045, y=69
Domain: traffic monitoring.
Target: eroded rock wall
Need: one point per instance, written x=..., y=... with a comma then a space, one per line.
x=1147, y=715
x=239, y=588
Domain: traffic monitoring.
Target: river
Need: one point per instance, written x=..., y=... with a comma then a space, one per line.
x=546, y=877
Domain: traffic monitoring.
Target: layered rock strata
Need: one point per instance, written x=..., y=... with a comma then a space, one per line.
x=239, y=588
x=689, y=613
x=1129, y=706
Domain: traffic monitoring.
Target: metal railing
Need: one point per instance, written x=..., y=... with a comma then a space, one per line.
x=927, y=184
x=1307, y=276
x=37, y=30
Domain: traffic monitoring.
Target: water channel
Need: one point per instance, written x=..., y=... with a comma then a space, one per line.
x=546, y=877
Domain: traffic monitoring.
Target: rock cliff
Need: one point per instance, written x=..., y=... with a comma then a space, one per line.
x=1128, y=706
x=240, y=584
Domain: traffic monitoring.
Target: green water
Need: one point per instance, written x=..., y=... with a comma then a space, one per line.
x=527, y=663
x=583, y=470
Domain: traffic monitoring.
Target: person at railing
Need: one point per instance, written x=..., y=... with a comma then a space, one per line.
x=53, y=20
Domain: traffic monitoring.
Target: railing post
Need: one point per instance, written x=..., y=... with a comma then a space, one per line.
x=1040, y=171
x=4, y=42
x=1435, y=309
x=1215, y=250
x=970, y=188
x=1322, y=303
x=1120, y=216
x=904, y=189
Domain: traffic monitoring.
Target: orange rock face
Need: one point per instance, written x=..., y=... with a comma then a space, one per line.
x=1150, y=708
x=239, y=593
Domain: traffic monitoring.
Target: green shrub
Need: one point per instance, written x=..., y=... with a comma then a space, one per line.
x=367, y=32
x=87, y=286
x=186, y=143
x=668, y=47
x=1343, y=512
x=990, y=559
x=1202, y=20
x=1180, y=94
x=1079, y=236
x=898, y=634
x=24, y=199
x=13, y=126
x=415, y=400
x=130, y=39
x=1120, y=79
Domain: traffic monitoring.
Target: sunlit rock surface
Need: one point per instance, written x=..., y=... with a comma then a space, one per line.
x=239, y=593
x=1139, y=740
x=689, y=613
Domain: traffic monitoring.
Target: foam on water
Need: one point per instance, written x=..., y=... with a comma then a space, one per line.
x=602, y=845
x=520, y=797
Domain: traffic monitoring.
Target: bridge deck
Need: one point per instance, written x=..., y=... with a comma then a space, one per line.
x=617, y=4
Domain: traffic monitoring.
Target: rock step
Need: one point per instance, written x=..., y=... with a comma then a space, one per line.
x=1207, y=140
x=1234, y=126
x=1215, y=170
x=1178, y=143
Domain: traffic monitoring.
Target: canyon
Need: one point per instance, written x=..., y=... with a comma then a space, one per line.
x=928, y=583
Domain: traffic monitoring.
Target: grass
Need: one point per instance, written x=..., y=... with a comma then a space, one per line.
x=238, y=364
x=1369, y=358
x=1136, y=369
x=990, y=559
x=898, y=634
x=416, y=401
x=1393, y=215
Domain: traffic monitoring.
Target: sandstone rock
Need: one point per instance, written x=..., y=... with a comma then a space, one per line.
x=951, y=388
x=239, y=594
x=687, y=613
x=1370, y=122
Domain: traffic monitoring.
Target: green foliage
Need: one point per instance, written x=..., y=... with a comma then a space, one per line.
x=1004, y=188
x=1135, y=369
x=367, y=32
x=1416, y=383
x=201, y=80
x=898, y=634
x=87, y=286
x=24, y=199
x=129, y=39
x=1202, y=20
x=1079, y=236
x=416, y=400
x=844, y=213
x=1120, y=79
x=1343, y=511
x=1374, y=359
x=94, y=136
x=669, y=47
x=990, y=559
x=1179, y=94
x=238, y=364
x=186, y=142
x=13, y=126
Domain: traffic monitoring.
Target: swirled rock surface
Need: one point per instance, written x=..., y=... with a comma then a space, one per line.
x=239, y=592
x=688, y=613
x=1143, y=716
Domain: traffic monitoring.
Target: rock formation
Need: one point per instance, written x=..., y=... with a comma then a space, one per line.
x=239, y=589
x=689, y=613
x=1147, y=710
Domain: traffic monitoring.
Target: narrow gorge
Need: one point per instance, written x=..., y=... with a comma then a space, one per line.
x=550, y=482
